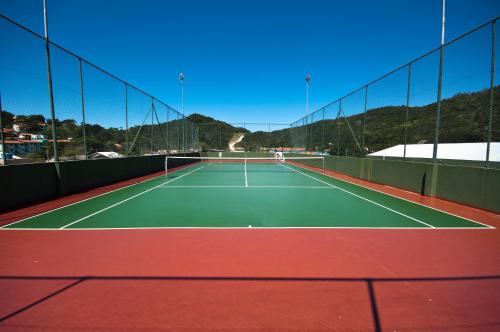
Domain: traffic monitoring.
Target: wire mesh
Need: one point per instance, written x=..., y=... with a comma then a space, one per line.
x=68, y=90
x=495, y=91
x=25, y=115
x=386, y=111
x=105, y=124
x=401, y=107
x=96, y=114
x=351, y=122
x=466, y=82
x=421, y=121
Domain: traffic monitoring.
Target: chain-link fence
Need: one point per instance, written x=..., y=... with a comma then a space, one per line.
x=412, y=113
x=96, y=114
x=407, y=113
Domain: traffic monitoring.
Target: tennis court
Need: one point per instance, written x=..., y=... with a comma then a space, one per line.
x=245, y=193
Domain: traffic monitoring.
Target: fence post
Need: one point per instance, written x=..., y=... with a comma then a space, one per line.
x=51, y=92
x=438, y=107
x=492, y=91
x=269, y=135
x=220, y=136
x=184, y=134
x=83, y=110
x=338, y=128
x=168, y=138
x=439, y=91
x=152, y=124
x=305, y=137
x=311, y=132
x=178, y=133
x=126, y=118
x=407, y=108
x=1, y=133
x=364, y=118
x=323, y=131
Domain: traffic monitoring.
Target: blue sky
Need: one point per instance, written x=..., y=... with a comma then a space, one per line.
x=245, y=61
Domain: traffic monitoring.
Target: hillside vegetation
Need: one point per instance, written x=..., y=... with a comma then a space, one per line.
x=464, y=118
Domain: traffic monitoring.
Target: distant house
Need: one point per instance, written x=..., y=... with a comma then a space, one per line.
x=104, y=155
x=22, y=146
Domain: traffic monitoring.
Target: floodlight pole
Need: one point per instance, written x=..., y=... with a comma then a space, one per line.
x=181, y=79
x=440, y=85
x=51, y=92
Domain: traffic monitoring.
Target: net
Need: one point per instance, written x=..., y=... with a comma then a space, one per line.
x=280, y=164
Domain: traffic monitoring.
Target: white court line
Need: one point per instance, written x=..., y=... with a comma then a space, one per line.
x=401, y=198
x=291, y=187
x=86, y=199
x=363, y=198
x=243, y=227
x=128, y=199
x=83, y=200
x=247, y=158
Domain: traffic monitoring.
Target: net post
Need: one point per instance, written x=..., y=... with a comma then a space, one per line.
x=166, y=167
x=323, y=163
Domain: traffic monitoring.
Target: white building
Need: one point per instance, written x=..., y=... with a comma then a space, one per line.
x=105, y=155
x=455, y=151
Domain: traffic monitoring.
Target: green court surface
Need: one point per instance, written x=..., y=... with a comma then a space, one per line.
x=235, y=195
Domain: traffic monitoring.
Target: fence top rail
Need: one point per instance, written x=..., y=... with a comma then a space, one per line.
x=86, y=61
x=402, y=66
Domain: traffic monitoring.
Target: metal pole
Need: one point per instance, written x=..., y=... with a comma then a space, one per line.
x=178, y=132
x=168, y=142
x=83, y=110
x=181, y=78
x=407, y=108
x=323, y=132
x=269, y=135
x=305, y=136
x=440, y=84
x=1, y=133
x=220, y=136
x=152, y=125
x=364, y=117
x=308, y=78
x=126, y=118
x=51, y=92
x=492, y=84
x=311, y=131
x=338, y=128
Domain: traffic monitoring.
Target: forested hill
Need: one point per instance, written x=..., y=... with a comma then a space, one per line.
x=464, y=118
x=215, y=134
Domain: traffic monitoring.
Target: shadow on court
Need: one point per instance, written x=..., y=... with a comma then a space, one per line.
x=393, y=302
